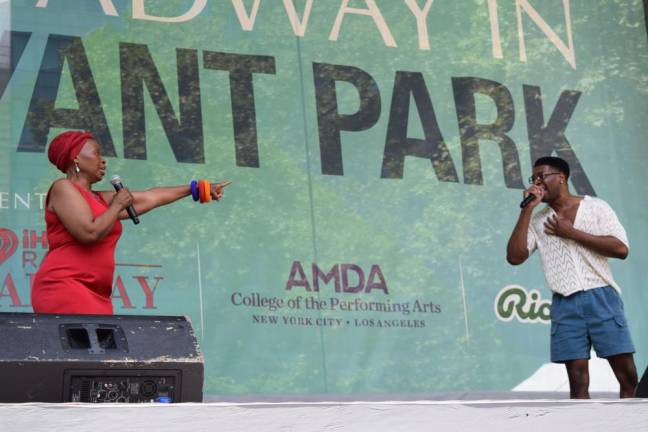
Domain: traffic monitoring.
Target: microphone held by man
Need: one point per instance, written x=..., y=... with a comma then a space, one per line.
x=525, y=202
x=534, y=193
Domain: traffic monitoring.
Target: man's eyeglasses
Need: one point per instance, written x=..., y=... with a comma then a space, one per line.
x=541, y=177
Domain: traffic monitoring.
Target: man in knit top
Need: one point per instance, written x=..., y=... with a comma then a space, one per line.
x=575, y=236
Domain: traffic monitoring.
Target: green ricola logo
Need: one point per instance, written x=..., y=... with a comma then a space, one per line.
x=513, y=301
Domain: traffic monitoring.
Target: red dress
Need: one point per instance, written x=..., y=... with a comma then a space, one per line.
x=76, y=278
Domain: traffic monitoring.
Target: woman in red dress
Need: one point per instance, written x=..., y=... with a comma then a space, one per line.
x=83, y=227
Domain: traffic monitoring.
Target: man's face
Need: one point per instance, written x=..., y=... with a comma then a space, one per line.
x=549, y=179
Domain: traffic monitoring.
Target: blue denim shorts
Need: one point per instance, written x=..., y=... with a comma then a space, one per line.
x=588, y=318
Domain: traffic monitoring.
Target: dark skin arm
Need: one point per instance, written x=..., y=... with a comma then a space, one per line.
x=145, y=201
x=75, y=214
x=516, y=250
x=608, y=246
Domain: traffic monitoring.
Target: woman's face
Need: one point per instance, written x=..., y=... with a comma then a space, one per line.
x=90, y=162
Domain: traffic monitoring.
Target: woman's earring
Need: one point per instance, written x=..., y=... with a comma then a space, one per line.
x=76, y=168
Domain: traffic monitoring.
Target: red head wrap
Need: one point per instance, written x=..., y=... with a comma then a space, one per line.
x=65, y=147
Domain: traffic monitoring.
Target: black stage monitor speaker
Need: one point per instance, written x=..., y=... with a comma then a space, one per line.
x=98, y=358
x=642, y=388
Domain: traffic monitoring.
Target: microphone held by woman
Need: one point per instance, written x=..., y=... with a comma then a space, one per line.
x=117, y=184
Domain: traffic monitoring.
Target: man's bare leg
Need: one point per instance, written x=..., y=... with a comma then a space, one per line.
x=624, y=369
x=578, y=373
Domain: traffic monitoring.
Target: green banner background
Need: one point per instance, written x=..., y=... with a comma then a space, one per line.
x=435, y=242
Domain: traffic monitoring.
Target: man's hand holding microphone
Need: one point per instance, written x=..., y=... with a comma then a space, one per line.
x=532, y=196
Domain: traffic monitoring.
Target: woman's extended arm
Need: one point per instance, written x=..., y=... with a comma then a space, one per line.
x=145, y=201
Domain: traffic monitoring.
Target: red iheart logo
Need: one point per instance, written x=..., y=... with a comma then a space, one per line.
x=8, y=244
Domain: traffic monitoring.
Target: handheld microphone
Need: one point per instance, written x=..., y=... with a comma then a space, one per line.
x=117, y=184
x=525, y=202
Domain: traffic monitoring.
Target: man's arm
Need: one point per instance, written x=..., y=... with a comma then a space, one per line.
x=517, y=251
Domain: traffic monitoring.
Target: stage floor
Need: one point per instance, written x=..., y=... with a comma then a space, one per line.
x=502, y=415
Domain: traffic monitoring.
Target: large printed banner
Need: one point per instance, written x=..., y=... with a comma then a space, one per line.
x=378, y=151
